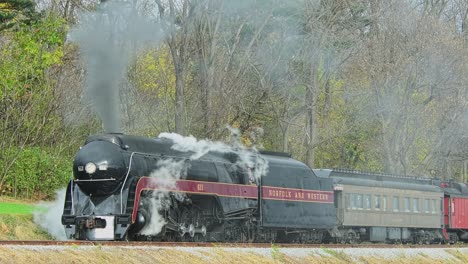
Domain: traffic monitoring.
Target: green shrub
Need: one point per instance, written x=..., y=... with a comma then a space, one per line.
x=36, y=172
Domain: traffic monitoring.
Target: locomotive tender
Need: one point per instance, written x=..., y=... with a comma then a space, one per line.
x=118, y=179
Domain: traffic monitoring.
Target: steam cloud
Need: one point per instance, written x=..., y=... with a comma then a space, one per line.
x=105, y=37
x=247, y=158
x=169, y=171
x=50, y=215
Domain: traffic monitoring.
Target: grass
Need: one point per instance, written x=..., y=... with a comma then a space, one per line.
x=337, y=254
x=197, y=256
x=458, y=255
x=10, y=205
x=16, y=208
x=20, y=227
x=5, y=199
x=16, y=220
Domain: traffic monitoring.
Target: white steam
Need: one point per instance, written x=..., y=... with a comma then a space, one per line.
x=248, y=158
x=49, y=215
x=198, y=147
x=167, y=173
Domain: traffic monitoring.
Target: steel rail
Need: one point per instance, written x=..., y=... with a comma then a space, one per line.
x=210, y=244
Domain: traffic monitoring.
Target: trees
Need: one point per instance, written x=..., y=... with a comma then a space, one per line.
x=345, y=80
x=214, y=45
x=366, y=84
x=329, y=37
x=15, y=12
x=28, y=113
x=177, y=15
x=410, y=70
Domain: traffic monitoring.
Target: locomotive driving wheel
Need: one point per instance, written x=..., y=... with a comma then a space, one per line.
x=185, y=219
x=190, y=225
x=251, y=232
x=245, y=232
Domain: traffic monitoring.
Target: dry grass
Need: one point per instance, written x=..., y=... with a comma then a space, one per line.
x=20, y=227
x=98, y=255
x=73, y=254
x=9, y=199
x=458, y=255
x=127, y=256
x=405, y=260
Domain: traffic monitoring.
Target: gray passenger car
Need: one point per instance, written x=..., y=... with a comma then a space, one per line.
x=378, y=207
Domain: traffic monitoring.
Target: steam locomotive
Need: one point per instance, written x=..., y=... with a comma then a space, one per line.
x=137, y=188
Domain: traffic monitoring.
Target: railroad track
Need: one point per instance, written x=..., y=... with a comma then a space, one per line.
x=205, y=244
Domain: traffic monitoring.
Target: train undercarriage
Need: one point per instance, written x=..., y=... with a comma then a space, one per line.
x=355, y=235
x=200, y=219
x=187, y=221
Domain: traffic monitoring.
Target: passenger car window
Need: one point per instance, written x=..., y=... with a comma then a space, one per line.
x=368, y=201
x=384, y=203
x=377, y=202
x=359, y=201
x=353, y=201
x=407, y=204
x=396, y=204
x=415, y=205
x=427, y=206
x=434, y=206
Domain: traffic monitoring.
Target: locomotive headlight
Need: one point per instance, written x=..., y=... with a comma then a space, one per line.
x=90, y=168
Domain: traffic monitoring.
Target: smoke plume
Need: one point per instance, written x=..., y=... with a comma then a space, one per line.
x=108, y=39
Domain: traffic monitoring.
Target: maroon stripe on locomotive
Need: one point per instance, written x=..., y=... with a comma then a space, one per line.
x=228, y=190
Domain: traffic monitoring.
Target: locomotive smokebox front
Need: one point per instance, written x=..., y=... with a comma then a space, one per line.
x=99, y=168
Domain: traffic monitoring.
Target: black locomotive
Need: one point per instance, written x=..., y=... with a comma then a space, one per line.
x=121, y=185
